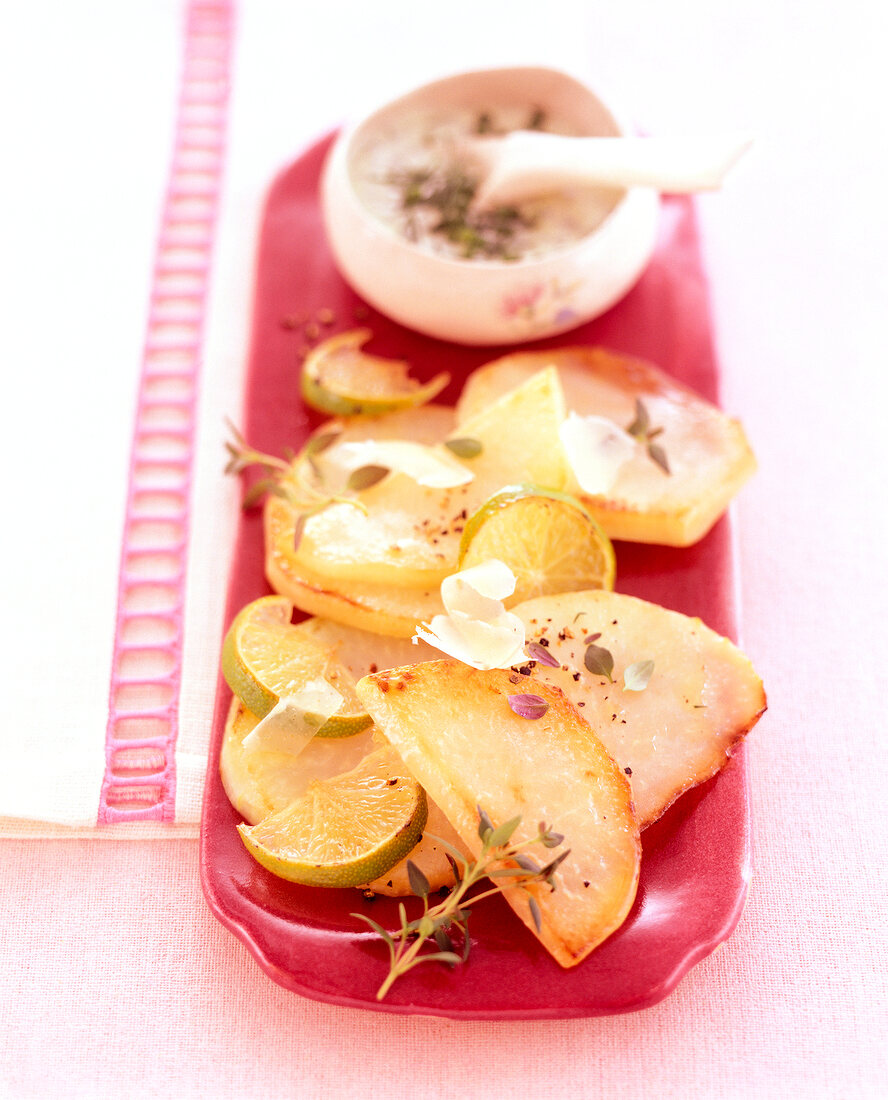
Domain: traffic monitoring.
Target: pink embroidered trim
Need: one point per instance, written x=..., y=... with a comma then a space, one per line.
x=143, y=711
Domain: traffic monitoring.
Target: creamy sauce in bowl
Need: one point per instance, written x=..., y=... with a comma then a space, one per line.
x=416, y=176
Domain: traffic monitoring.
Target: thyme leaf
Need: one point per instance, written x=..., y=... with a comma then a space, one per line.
x=640, y=426
x=528, y=706
x=638, y=675
x=599, y=661
x=641, y=429
x=537, y=652
x=366, y=476
x=467, y=447
x=419, y=884
x=658, y=455
x=320, y=442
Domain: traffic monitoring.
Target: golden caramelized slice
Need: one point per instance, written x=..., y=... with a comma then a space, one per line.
x=379, y=608
x=403, y=537
x=701, y=698
x=458, y=734
x=409, y=536
x=707, y=453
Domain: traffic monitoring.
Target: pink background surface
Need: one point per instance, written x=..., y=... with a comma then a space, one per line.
x=116, y=979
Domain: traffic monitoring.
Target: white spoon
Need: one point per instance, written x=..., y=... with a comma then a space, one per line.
x=531, y=162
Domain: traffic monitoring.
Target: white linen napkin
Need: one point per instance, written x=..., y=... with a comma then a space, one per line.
x=77, y=346
x=54, y=776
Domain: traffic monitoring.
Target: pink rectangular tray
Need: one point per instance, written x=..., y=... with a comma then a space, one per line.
x=697, y=858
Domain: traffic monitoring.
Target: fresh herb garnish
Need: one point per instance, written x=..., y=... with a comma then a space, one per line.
x=366, y=476
x=320, y=442
x=447, y=193
x=465, y=447
x=286, y=478
x=447, y=922
x=641, y=429
x=537, y=652
x=599, y=661
x=317, y=445
x=528, y=706
x=638, y=675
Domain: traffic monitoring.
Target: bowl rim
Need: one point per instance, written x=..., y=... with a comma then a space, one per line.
x=339, y=160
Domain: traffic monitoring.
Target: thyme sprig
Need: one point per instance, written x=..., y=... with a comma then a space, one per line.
x=446, y=924
x=298, y=481
x=641, y=429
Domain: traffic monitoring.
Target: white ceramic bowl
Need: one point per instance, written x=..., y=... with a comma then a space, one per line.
x=483, y=302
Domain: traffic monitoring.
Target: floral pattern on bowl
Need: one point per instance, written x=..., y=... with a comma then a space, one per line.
x=486, y=303
x=542, y=305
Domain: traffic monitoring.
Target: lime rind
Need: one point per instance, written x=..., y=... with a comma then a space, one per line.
x=275, y=612
x=284, y=858
x=328, y=401
x=598, y=571
x=339, y=379
x=509, y=494
x=344, y=725
x=255, y=695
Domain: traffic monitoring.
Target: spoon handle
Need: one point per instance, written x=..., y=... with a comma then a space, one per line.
x=527, y=162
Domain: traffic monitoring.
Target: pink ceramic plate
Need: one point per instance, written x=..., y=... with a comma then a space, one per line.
x=696, y=863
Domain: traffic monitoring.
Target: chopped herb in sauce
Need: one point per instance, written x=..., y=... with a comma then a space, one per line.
x=421, y=179
x=446, y=193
